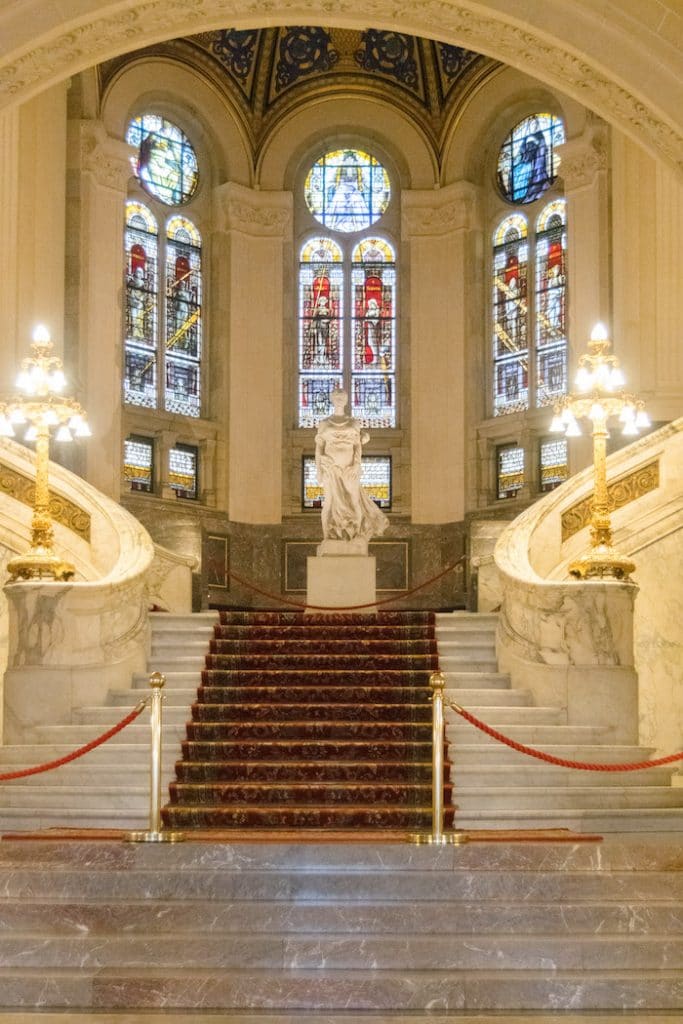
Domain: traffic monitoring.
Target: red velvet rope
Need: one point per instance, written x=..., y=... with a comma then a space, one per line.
x=348, y=607
x=581, y=765
x=23, y=772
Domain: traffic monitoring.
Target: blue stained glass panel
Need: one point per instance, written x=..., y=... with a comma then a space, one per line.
x=166, y=164
x=528, y=163
x=347, y=190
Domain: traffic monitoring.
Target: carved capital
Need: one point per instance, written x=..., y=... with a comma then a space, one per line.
x=251, y=212
x=106, y=159
x=454, y=208
x=581, y=160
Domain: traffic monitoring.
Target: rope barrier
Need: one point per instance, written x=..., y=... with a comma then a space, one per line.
x=49, y=765
x=563, y=762
x=349, y=607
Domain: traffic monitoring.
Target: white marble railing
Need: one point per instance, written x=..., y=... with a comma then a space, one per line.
x=577, y=644
x=68, y=643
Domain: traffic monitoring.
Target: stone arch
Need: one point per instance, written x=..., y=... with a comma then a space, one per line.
x=623, y=66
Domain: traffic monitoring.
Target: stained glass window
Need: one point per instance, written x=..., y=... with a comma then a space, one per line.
x=183, y=462
x=510, y=317
x=510, y=459
x=375, y=477
x=551, y=327
x=528, y=163
x=373, y=377
x=183, y=317
x=553, y=459
x=166, y=164
x=321, y=341
x=347, y=190
x=141, y=325
x=138, y=463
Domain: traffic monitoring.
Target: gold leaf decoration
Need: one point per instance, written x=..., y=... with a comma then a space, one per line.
x=22, y=488
x=620, y=492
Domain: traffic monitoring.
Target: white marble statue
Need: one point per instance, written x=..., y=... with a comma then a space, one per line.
x=348, y=514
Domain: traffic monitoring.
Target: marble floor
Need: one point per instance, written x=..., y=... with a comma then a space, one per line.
x=301, y=1017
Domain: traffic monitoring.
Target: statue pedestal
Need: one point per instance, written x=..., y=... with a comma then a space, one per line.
x=341, y=581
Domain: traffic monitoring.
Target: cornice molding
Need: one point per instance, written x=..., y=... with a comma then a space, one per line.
x=252, y=212
x=107, y=159
x=442, y=211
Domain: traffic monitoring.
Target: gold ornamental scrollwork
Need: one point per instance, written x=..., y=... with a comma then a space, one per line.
x=22, y=488
x=619, y=492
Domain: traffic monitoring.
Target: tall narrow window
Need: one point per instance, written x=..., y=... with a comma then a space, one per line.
x=347, y=293
x=141, y=314
x=183, y=316
x=183, y=462
x=551, y=328
x=510, y=317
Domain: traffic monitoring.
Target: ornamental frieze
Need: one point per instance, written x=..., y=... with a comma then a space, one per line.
x=619, y=493
x=22, y=488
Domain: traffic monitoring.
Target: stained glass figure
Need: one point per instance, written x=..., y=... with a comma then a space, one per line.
x=166, y=165
x=183, y=316
x=138, y=463
x=321, y=296
x=553, y=459
x=141, y=250
x=373, y=374
x=528, y=163
x=551, y=332
x=347, y=190
x=375, y=478
x=510, y=477
x=183, y=462
x=314, y=398
x=510, y=316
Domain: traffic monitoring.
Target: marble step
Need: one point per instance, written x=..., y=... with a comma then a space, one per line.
x=29, y=754
x=165, y=650
x=307, y=951
x=492, y=754
x=603, y=821
x=173, y=697
x=164, y=622
x=68, y=797
x=174, y=681
x=331, y=990
x=462, y=662
x=73, y=736
x=472, y=652
x=79, y=918
x=466, y=620
x=594, y=797
x=539, y=773
x=477, y=680
x=32, y=819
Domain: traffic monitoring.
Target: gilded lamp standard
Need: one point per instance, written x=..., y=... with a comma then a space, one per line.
x=600, y=396
x=41, y=408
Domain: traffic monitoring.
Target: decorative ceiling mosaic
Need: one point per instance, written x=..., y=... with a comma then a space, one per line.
x=267, y=68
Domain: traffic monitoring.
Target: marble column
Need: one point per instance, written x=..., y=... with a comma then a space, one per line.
x=252, y=233
x=102, y=176
x=441, y=229
x=9, y=204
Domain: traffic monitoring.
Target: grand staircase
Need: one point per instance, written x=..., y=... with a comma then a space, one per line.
x=493, y=786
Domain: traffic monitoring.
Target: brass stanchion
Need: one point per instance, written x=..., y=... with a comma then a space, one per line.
x=437, y=837
x=155, y=834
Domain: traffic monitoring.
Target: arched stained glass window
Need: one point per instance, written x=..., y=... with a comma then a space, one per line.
x=321, y=342
x=141, y=312
x=551, y=300
x=183, y=317
x=373, y=388
x=528, y=163
x=510, y=316
x=347, y=190
x=166, y=165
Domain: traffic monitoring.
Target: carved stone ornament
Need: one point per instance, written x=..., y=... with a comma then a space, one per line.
x=619, y=492
x=253, y=213
x=580, y=162
x=439, y=213
x=22, y=488
x=111, y=31
x=107, y=159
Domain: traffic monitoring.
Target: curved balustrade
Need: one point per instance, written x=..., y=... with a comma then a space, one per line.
x=577, y=643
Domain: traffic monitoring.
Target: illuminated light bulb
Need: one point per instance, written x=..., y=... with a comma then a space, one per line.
x=602, y=375
x=627, y=413
x=22, y=381
x=617, y=378
x=567, y=416
x=83, y=430
x=31, y=434
x=642, y=419
x=573, y=430
x=630, y=429
x=50, y=418
x=17, y=416
x=556, y=425
x=584, y=379
x=41, y=335
x=63, y=434
x=57, y=380
x=599, y=332
x=6, y=428
x=597, y=411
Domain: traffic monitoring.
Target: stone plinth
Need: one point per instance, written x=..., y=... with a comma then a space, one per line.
x=341, y=581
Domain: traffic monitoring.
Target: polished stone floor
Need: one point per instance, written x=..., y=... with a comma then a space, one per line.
x=301, y=1017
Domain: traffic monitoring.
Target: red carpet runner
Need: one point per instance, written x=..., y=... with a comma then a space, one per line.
x=316, y=721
